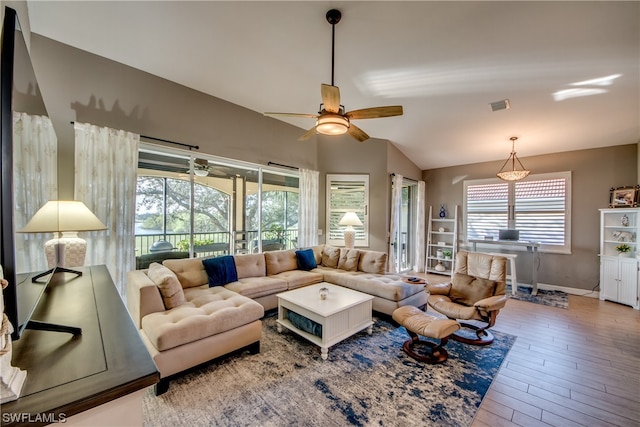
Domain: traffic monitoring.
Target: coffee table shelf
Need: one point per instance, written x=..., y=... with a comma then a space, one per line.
x=342, y=314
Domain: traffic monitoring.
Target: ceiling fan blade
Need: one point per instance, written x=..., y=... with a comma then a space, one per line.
x=330, y=98
x=303, y=115
x=375, y=112
x=308, y=134
x=357, y=133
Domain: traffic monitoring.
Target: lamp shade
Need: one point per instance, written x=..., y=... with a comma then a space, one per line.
x=350, y=219
x=64, y=215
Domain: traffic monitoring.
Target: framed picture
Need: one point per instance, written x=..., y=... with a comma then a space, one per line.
x=624, y=197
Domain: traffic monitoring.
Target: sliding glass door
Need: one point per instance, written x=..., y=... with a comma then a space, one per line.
x=405, y=239
x=190, y=205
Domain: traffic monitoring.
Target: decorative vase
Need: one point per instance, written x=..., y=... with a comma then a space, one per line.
x=624, y=220
x=443, y=212
x=439, y=267
x=323, y=293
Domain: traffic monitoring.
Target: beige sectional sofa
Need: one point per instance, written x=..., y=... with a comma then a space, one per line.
x=181, y=332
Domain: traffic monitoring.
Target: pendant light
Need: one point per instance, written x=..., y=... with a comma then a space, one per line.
x=513, y=174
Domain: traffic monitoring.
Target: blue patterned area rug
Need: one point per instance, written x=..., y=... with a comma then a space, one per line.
x=558, y=299
x=367, y=380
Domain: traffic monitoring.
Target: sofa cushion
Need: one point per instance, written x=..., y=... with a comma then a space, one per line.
x=190, y=271
x=317, y=252
x=221, y=270
x=348, y=259
x=373, y=262
x=255, y=287
x=386, y=286
x=168, y=284
x=207, y=312
x=467, y=289
x=279, y=261
x=250, y=265
x=298, y=278
x=306, y=259
x=330, y=256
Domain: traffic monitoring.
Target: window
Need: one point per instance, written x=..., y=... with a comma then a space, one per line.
x=539, y=207
x=347, y=193
x=211, y=206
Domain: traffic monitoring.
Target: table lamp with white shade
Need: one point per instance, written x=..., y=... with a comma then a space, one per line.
x=67, y=217
x=350, y=219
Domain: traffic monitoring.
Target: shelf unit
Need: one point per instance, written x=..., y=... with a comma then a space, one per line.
x=619, y=272
x=444, y=240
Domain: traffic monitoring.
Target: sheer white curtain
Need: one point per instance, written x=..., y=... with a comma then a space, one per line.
x=394, y=223
x=308, y=212
x=419, y=247
x=106, y=163
x=35, y=182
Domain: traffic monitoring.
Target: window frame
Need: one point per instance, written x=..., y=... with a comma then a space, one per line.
x=362, y=211
x=512, y=202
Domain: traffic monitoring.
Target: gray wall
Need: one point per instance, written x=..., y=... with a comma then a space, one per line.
x=79, y=86
x=594, y=172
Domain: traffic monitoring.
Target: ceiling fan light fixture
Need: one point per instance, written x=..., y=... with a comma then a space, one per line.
x=201, y=172
x=513, y=174
x=332, y=124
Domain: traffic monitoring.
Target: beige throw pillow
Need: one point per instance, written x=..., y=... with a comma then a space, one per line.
x=330, y=256
x=168, y=284
x=349, y=259
x=468, y=290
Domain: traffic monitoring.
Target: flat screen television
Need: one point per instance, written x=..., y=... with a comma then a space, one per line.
x=19, y=91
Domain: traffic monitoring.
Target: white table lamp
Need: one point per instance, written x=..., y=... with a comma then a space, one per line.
x=68, y=218
x=350, y=219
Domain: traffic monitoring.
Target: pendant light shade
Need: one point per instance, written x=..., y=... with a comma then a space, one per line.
x=513, y=174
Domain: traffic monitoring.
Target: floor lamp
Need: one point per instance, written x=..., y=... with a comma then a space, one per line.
x=64, y=217
x=350, y=219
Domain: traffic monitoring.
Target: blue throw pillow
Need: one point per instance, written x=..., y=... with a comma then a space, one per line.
x=221, y=270
x=306, y=259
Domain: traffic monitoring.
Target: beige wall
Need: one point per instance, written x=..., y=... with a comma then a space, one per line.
x=346, y=155
x=593, y=173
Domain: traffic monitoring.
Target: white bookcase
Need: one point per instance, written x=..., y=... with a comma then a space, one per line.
x=619, y=272
x=442, y=238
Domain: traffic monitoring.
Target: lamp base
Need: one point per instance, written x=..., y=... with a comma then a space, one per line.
x=35, y=278
x=66, y=251
x=349, y=238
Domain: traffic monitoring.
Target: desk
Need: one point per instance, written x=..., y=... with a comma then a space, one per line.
x=71, y=376
x=532, y=248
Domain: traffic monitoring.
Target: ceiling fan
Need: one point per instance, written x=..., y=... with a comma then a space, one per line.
x=332, y=118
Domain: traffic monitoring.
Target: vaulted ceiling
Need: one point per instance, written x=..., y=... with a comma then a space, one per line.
x=570, y=70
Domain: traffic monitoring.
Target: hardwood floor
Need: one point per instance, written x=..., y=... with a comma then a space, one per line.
x=573, y=367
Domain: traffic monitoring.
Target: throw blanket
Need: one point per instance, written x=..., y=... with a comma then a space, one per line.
x=221, y=270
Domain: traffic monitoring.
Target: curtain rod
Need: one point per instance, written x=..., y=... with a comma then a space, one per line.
x=281, y=165
x=404, y=177
x=191, y=147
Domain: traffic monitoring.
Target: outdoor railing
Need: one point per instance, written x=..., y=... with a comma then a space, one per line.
x=216, y=243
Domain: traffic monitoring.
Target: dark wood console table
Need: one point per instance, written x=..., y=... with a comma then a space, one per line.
x=69, y=374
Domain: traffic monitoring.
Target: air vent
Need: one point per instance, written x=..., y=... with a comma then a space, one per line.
x=500, y=105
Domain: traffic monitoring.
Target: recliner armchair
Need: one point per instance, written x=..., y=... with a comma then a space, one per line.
x=477, y=292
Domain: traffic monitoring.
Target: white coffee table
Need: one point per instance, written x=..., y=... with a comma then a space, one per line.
x=342, y=314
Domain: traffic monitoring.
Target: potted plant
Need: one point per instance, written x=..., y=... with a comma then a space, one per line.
x=623, y=249
x=446, y=253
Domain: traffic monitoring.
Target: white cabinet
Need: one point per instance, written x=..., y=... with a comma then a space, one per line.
x=442, y=242
x=619, y=272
